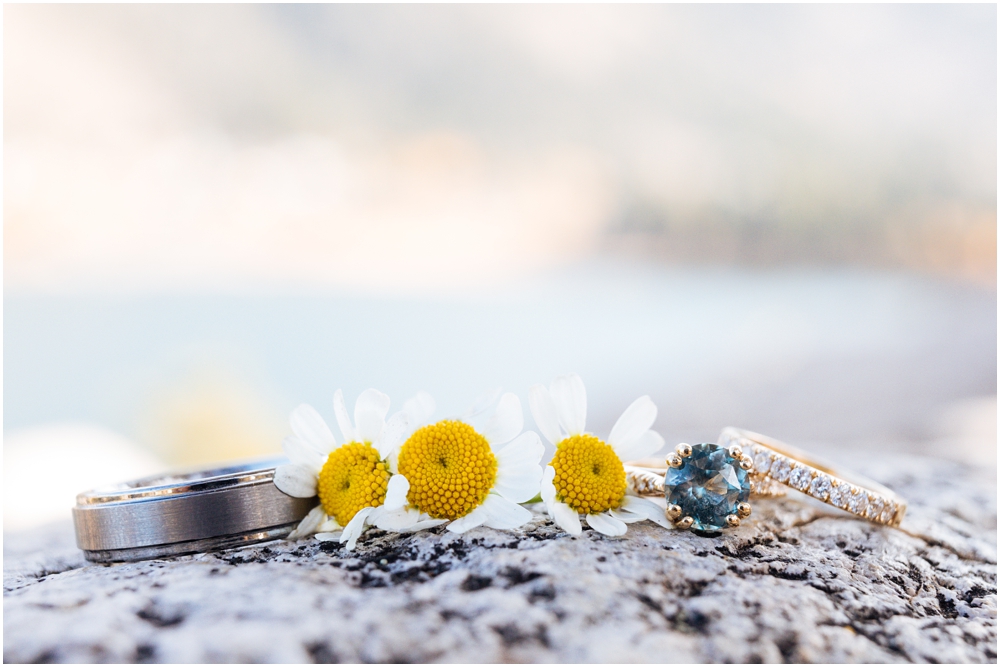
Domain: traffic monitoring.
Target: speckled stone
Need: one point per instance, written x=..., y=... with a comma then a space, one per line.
x=797, y=581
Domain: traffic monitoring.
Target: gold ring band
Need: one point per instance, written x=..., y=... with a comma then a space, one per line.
x=784, y=464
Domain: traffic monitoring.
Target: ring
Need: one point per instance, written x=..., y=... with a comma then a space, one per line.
x=184, y=513
x=707, y=487
x=774, y=460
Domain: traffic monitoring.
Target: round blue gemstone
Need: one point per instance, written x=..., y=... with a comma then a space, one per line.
x=707, y=487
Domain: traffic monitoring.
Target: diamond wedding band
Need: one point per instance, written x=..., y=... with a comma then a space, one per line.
x=787, y=465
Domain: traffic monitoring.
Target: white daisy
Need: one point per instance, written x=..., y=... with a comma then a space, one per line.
x=352, y=480
x=586, y=475
x=465, y=476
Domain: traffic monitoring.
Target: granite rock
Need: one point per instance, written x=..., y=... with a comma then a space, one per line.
x=798, y=581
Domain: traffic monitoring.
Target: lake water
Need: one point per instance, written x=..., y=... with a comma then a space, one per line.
x=834, y=355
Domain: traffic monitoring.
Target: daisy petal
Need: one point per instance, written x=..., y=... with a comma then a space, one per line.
x=635, y=421
x=424, y=524
x=506, y=422
x=525, y=449
x=295, y=480
x=330, y=526
x=395, y=493
x=473, y=519
x=565, y=517
x=309, y=523
x=606, y=524
x=482, y=404
x=543, y=410
x=625, y=516
x=519, y=486
x=392, y=435
x=518, y=469
x=397, y=520
x=419, y=409
x=343, y=418
x=328, y=536
x=405, y=521
x=503, y=514
x=548, y=489
x=369, y=414
x=393, y=461
x=570, y=398
x=300, y=453
x=354, y=528
x=647, y=509
x=646, y=444
x=310, y=427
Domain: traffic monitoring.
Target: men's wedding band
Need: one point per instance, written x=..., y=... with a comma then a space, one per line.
x=184, y=513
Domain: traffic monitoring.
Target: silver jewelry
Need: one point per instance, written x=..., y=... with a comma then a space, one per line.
x=176, y=514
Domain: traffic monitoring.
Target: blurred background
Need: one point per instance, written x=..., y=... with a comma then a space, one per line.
x=775, y=217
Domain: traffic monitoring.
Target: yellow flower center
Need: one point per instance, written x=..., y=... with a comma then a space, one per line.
x=352, y=478
x=450, y=467
x=590, y=477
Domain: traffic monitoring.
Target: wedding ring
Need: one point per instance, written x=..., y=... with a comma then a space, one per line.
x=778, y=462
x=183, y=513
x=707, y=487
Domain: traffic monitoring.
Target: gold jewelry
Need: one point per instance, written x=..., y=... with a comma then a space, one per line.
x=771, y=467
x=784, y=464
x=706, y=487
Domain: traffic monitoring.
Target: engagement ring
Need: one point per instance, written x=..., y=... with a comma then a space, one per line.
x=707, y=487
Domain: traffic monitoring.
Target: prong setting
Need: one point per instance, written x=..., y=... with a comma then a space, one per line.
x=706, y=486
x=746, y=463
x=743, y=510
x=736, y=452
x=732, y=521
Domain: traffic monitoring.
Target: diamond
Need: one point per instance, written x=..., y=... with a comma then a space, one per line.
x=761, y=462
x=800, y=478
x=875, y=507
x=820, y=487
x=781, y=469
x=708, y=486
x=840, y=494
x=888, y=512
x=858, y=502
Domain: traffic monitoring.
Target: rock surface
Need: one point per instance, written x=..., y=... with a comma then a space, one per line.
x=797, y=582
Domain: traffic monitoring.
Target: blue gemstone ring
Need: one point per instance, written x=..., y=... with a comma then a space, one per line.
x=707, y=487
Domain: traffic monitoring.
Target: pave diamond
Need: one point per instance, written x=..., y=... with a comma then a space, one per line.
x=858, y=502
x=820, y=487
x=840, y=494
x=875, y=508
x=781, y=469
x=708, y=486
x=800, y=478
x=762, y=462
x=888, y=512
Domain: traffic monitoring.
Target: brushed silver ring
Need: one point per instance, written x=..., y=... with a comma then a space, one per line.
x=183, y=513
